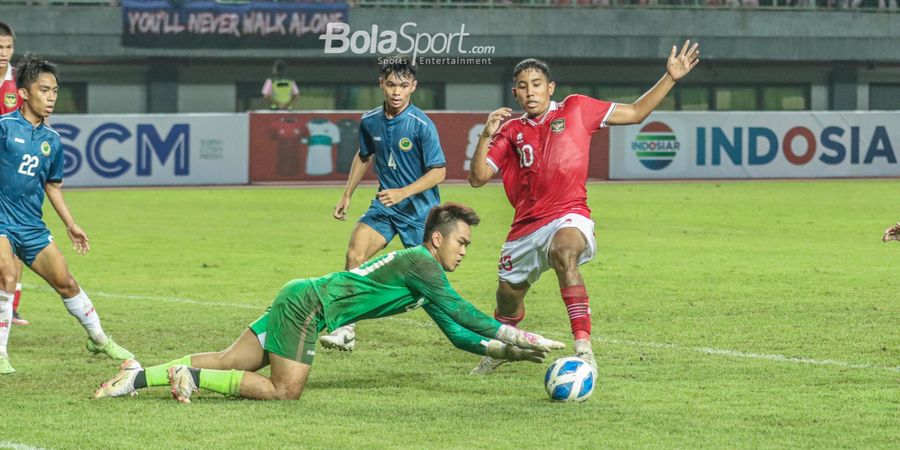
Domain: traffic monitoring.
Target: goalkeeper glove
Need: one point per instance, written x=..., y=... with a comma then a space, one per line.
x=524, y=339
x=499, y=350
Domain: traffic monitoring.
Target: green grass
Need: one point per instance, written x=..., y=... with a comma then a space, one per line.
x=697, y=290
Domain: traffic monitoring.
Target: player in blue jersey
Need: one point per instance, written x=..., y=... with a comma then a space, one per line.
x=31, y=165
x=403, y=144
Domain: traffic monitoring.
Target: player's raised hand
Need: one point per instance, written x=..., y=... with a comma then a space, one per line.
x=494, y=120
x=499, y=350
x=892, y=233
x=680, y=64
x=79, y=239
x=340, y=210
x=391, y=197
x=524, y=339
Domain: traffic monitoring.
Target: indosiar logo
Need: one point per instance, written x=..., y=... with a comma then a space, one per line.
x=655, y=146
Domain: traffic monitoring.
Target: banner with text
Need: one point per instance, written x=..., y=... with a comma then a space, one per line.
x=153, y=150
x=209, y=24
x=757, y=145
x=320, y=146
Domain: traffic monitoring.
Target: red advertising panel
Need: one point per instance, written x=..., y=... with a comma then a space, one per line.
x=320, y=146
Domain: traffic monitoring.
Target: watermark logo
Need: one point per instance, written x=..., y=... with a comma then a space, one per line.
x=655, y=146
x=407, y=40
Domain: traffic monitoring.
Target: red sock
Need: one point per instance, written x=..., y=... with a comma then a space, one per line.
x=578, y=306
x=16, y=297
x=511, y=321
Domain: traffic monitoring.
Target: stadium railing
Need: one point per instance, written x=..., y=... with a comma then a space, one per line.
x=828, y=5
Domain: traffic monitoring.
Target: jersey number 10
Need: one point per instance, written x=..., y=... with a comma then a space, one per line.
x=29, y=163
x=526, y=155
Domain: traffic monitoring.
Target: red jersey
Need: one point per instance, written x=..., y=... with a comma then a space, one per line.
x=544, y=164
x=9, y=96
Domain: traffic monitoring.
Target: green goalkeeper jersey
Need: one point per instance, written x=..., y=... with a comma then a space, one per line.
x=398, y=282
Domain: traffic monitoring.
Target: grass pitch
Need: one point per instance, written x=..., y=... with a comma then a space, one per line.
x=726, y=315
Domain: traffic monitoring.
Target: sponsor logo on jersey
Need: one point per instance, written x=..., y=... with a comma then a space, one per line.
x=45, y=148
x=656, y=146
x=9, y=100
x=558, y=125
x=19, y=140
x=405, y=144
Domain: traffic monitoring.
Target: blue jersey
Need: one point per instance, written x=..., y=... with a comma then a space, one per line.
x=30, y=157
x=405, y=148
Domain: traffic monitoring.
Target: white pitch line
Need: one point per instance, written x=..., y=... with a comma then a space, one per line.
x=154, y=298
x=17, y=446
x=600, y=339
x=748, y=355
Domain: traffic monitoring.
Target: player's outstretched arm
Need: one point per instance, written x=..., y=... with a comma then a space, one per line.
x=470, y=341
x=892, y=233
x=357, y=171
x=78, y=237
x=480, y=172
x=678, y=65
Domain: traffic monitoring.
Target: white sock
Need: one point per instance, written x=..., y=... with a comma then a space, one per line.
x=6, y=310
x=81, y=307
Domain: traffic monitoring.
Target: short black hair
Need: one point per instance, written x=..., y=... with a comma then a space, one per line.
x=30, y=70
x=6, y=30
x=532, y=64
x=278, y=68
x=401, y=65
x=443, y=218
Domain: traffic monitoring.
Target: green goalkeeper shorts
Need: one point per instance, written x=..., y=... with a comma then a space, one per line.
x=290, y=326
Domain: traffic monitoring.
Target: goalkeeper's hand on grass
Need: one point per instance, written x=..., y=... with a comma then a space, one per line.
x=526, y=340
x=509, y=352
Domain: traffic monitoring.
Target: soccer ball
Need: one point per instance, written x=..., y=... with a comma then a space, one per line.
x=570, y=379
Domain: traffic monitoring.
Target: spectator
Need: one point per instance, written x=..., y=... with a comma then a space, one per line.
x=278, y=90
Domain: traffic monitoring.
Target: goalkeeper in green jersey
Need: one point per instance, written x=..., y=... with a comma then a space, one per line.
x=285, y=335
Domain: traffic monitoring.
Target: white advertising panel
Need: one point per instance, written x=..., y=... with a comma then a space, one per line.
x=154, y=149
x=757, y=145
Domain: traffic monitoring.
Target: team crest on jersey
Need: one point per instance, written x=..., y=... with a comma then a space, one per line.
x=9, y=100
x=558, y=125
x=405, y=144
x=45, y=148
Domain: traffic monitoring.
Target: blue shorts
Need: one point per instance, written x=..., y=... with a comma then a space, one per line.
x=26, y=242
x=388, y=226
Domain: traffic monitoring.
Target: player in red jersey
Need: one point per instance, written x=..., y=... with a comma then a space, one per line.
x=9, y=102
x=543, y=159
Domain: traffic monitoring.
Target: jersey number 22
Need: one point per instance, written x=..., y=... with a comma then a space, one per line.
x=29, y=163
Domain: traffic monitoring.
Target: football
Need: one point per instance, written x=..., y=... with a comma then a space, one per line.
x=570, y=379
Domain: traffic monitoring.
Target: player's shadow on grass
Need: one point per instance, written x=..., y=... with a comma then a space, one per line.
x=371, y=380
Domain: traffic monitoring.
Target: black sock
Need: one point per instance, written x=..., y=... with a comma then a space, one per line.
x=195, y=374
x=140, y=381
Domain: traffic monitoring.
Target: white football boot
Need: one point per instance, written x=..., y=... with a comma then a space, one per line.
x=584, y=351
x=182, y=383
x=486, y=366
x=343, y=339
x=122, y=383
